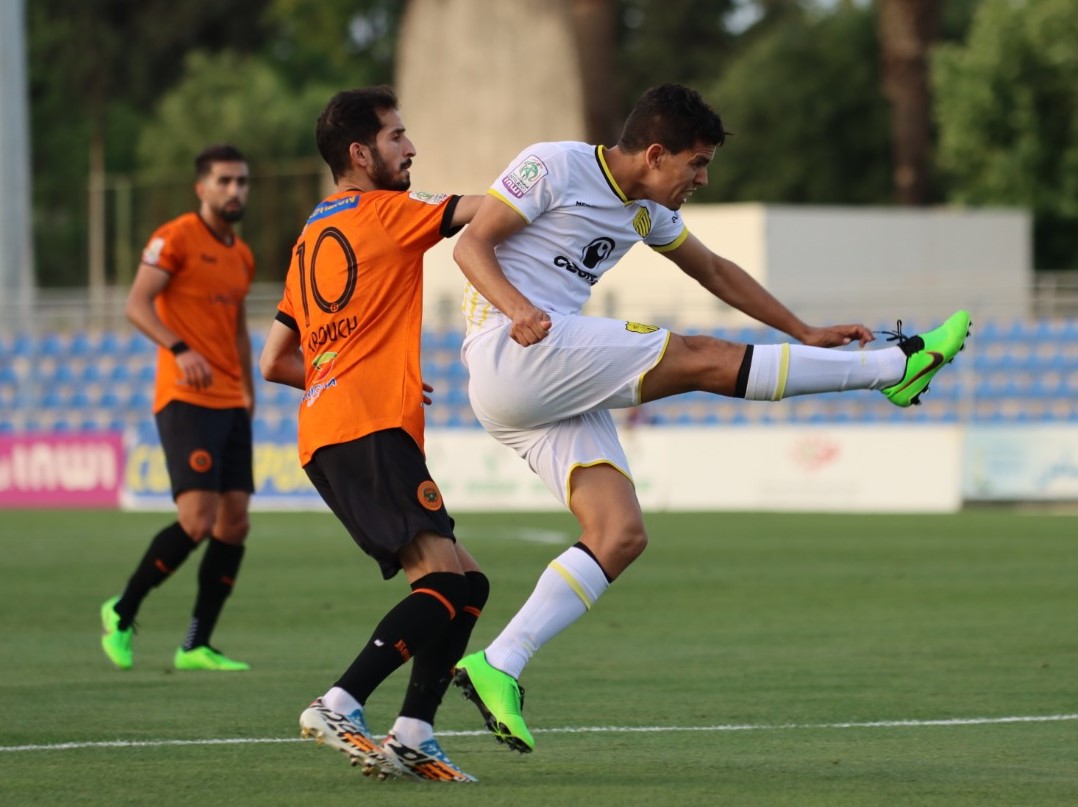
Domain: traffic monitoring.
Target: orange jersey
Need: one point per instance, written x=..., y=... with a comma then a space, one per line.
x=354, y=294
x=201, y=304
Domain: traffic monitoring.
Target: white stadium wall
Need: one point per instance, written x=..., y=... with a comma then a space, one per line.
x=824, y=469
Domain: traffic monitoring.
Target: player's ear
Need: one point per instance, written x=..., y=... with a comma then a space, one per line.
x=653, y=155
x=360, y=154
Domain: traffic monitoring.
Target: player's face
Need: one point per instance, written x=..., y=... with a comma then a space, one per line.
x=224, y=190
x=682, y=173
x=392, y=155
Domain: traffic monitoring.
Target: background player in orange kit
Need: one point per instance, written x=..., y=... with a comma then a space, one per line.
x=347, y=332
x=189, y=298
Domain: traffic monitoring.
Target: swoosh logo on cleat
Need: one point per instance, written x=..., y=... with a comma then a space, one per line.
x=937, y=360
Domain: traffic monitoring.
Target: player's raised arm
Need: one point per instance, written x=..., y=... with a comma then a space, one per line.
x=474, y=253
x=736, y=287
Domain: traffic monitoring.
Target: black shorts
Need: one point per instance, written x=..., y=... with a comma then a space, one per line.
x=206, y=449
x=380, y=489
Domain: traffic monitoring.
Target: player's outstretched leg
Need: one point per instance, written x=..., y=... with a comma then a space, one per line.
x=926, y=354
x=116, y=641
x=428, y=762
x=499, y=697
x=348, y=734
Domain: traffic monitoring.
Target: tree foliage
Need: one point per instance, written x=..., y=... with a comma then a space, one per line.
x=809, y=123
x=1007, y=108
x=227, y=97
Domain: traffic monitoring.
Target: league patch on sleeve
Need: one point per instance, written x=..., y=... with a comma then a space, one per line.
x=524, y=177
x=152, y=253
x=428, y=198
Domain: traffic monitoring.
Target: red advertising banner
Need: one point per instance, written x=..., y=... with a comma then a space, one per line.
x=56, y=470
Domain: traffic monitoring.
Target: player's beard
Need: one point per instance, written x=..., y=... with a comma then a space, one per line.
x=231, y=214
x=384, y=179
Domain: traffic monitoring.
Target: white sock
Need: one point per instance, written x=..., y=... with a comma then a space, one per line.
x=782, y=371
x=411, y=731
x=340, y=701
x=566, y=590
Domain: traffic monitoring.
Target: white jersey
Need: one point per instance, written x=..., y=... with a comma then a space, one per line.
x=580, y=224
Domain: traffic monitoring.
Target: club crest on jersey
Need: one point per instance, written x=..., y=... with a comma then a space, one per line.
x=639, y=327
x=428, y=198
x=642, y=222
x=524, y=176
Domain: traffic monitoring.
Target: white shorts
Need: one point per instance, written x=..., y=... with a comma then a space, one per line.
x=549, y=402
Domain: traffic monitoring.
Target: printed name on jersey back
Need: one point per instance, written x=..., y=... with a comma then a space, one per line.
x=524, y=176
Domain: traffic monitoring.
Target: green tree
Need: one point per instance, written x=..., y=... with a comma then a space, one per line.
x=226, y=97
x=350, y=43
x=660, y=41
x=809, y=122
x=1007, y=110
x=93, y=67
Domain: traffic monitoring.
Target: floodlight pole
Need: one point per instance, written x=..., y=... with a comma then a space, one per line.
x=16, y=255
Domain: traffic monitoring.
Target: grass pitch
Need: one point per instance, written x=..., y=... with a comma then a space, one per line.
x=745, y=659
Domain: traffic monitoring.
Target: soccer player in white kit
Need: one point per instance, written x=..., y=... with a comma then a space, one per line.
x=543, y=377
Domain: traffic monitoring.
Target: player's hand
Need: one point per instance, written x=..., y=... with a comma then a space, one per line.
x=197, y=372
x=530, y=326
x=837, y=335
x=427, y=388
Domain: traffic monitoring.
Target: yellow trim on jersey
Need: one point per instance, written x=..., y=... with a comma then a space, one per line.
x=568, y=476
x=600, y=152
x=574, y=584
x=501, y=198
x=784, y=371
x=677, y=242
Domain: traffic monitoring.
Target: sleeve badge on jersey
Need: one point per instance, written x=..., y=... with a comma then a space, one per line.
x=428, y=198
x=152, y=253
x=524, y=176
x=639, y=327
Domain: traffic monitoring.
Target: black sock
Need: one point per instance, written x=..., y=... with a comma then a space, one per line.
x=166, y=553
x=419, y=618
x=432, y=669
x=216, y=576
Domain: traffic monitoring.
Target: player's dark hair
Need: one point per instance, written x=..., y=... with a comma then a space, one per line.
x=218, y=153
x=351, y=116
x=673, y=116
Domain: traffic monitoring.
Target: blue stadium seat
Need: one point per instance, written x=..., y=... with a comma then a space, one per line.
x=24, y=345
x=120, y=373
x=52, y=344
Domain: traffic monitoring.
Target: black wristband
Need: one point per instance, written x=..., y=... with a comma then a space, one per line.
x=178, y=347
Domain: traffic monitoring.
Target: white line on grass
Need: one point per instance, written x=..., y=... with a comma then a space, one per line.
x=875, y=724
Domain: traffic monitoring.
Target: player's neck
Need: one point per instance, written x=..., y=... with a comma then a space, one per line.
x=627, y=171
x=221, y=228
x=356, y=181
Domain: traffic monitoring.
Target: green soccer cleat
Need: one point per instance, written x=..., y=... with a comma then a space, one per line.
x=205, y=657
x=499, y=698
x=926, y=354
x=116, y=642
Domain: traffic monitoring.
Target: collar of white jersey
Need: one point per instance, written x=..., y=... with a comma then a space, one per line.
x=600, y=157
